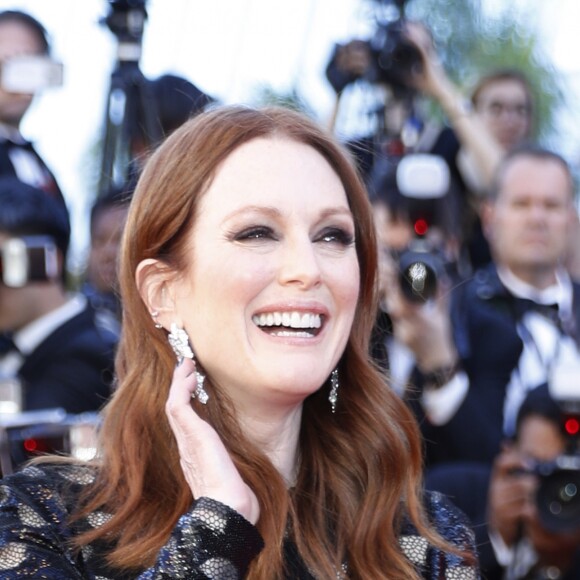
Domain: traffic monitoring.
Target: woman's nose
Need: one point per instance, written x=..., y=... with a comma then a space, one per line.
x=300, y=264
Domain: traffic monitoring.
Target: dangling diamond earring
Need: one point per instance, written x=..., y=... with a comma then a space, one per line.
x=200, y=392
x=333, y=395
x=179, y=342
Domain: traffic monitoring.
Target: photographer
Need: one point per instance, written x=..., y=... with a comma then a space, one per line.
x=61, y=356
x=524, y=544
x=404, y=62
x=527, y=524
x=26, y=71
x=416, y=215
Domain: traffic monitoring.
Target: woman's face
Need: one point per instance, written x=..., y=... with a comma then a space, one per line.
x=504, y=108
x=272, y=283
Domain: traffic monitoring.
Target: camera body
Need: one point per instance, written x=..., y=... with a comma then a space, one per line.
x=393, y=56
x=558, y=495
x=28, y=259
x=26, y=435
x=126, y=20
x=424, y=180
x=28, y=74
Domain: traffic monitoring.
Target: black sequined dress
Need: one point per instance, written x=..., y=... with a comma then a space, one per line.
x=210, y=541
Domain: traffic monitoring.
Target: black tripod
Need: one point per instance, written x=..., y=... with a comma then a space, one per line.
x=131, y=112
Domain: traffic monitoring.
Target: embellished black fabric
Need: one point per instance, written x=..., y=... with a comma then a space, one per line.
x=210, y=541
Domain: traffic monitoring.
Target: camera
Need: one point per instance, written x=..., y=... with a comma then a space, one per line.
x=33, y=433
x=126, y=20
x=393, y=56
x=28, y=259
x=423, y=180
x=558, y=495
x=29, y=74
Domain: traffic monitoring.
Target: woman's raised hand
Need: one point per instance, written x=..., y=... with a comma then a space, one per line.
x=206, y=463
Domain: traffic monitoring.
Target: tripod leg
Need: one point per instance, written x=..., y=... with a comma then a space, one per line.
x=131, y=116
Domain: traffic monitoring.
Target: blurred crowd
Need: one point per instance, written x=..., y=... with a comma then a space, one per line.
x=480, y=312
x=478, y=328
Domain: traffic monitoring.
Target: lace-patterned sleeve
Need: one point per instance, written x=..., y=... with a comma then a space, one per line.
x=33, y=537
x=210, y=541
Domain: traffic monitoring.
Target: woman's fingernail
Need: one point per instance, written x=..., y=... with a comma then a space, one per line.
x=179, y=361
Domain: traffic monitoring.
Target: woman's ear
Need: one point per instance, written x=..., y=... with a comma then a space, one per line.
x=154, y=281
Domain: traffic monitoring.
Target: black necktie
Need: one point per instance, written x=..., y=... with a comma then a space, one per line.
x=524, y=305
x=549, y=311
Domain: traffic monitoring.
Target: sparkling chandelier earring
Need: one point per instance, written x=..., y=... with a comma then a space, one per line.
x=333, y=395
x=179, y=342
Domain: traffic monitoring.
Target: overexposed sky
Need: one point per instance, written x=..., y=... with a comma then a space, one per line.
x=227, y=48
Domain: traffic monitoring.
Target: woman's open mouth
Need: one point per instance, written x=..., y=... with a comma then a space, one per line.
x=286, y=324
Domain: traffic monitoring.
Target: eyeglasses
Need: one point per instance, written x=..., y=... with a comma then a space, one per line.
x=497, y=109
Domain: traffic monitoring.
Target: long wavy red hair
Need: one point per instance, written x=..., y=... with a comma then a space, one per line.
x=360, y=468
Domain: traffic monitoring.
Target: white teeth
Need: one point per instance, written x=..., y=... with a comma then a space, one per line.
x=293, y=334
x=288, y=319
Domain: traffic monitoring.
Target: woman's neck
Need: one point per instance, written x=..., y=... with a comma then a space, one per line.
x=276, y=433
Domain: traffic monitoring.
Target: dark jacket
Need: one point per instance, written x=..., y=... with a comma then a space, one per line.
x=49, y=184
x=72, y=368
x=485, y=315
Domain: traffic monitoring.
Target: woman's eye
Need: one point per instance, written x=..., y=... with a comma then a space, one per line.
x=338, y=236
x=254, y=233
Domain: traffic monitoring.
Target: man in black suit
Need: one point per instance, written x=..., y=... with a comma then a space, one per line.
x=62, y=356
x=512, y=322
x=21, y=37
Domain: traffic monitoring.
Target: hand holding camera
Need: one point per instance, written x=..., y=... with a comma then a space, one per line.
x=511, y=495
x=424, y=328
x=429, y=78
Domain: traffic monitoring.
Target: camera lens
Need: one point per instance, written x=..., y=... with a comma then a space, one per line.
x=419, y=272
x=558, y=500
